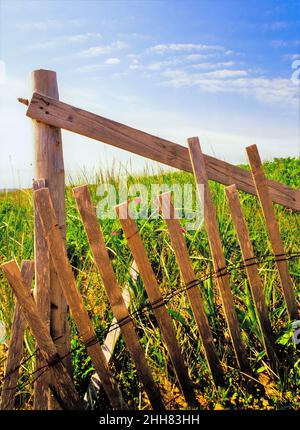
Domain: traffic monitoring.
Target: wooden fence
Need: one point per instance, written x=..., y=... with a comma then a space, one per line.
x=55, y=285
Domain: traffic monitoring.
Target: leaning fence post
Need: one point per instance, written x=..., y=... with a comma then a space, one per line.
x=15, y=350
x=48, y=164
x=212, y=228
x=272, y=225
x=61, y=382
x=156, y=299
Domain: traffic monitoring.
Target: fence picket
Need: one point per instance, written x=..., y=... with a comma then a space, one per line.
x=62, y=382
x=219, y=262
x=163, y=318
x=194, y=294
x=68, y=284
x=255, y=282
x=113, y=291
x=16, y=341
x=273, y=230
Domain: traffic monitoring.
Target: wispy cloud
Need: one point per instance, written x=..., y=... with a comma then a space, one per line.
x=275, y=25
x=213, y=65
x=94, y=51
x=274, y=91
x=163, y=48
x=279, y=43
x=114, y=60
x=63, y=40
x=49, y=24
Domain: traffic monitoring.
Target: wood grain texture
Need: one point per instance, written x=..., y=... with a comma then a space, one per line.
x=212, y=228
x=60, y=379
x=68, y=284
x=273, y=230
x=162, y=316
x=102, y=260
x=110, y=342
x=194, y=293
x=15, y=348
x=256, y=285
x=59, y=114
x=42, y=300
x=49, y=165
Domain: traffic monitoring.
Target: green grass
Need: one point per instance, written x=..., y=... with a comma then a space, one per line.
x=270, y=391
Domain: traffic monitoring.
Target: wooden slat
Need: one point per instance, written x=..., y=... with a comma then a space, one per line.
x=189, y=278
x=218, y=258
x=62, y=383
x=255, y=282
x=163, y=318
x=108, y=348
x=15, y=349
x=68, y=117
x=102, y=260
x=84, y=325
x=42, y=300
x=273, y=230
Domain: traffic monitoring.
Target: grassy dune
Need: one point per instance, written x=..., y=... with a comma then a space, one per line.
x=270, y=391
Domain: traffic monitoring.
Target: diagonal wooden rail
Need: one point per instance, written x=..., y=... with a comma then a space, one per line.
x=102, y=260
x=62, y=115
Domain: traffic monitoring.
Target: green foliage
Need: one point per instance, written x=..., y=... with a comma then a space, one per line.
x=280, y=391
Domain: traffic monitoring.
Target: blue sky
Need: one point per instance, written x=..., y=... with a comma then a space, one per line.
x=217, y=69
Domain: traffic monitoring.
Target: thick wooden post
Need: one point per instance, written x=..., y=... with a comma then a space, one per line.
x=49, y=165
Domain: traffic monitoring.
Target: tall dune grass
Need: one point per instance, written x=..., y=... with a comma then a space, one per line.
x=271, y=390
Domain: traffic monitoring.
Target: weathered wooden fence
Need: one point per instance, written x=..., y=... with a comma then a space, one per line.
x=55, y=285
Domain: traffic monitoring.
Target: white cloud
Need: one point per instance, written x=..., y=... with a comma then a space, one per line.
x=225, y=73
x=282, y=43
x=213, y=65
x=163, y=48
x=114, y=60
x=63, y=40
x=275, y=25
x=2, y=72
x=291, y=56
x=276, y=91
x=49, y=24
x=195, y=57
x=94, y=51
